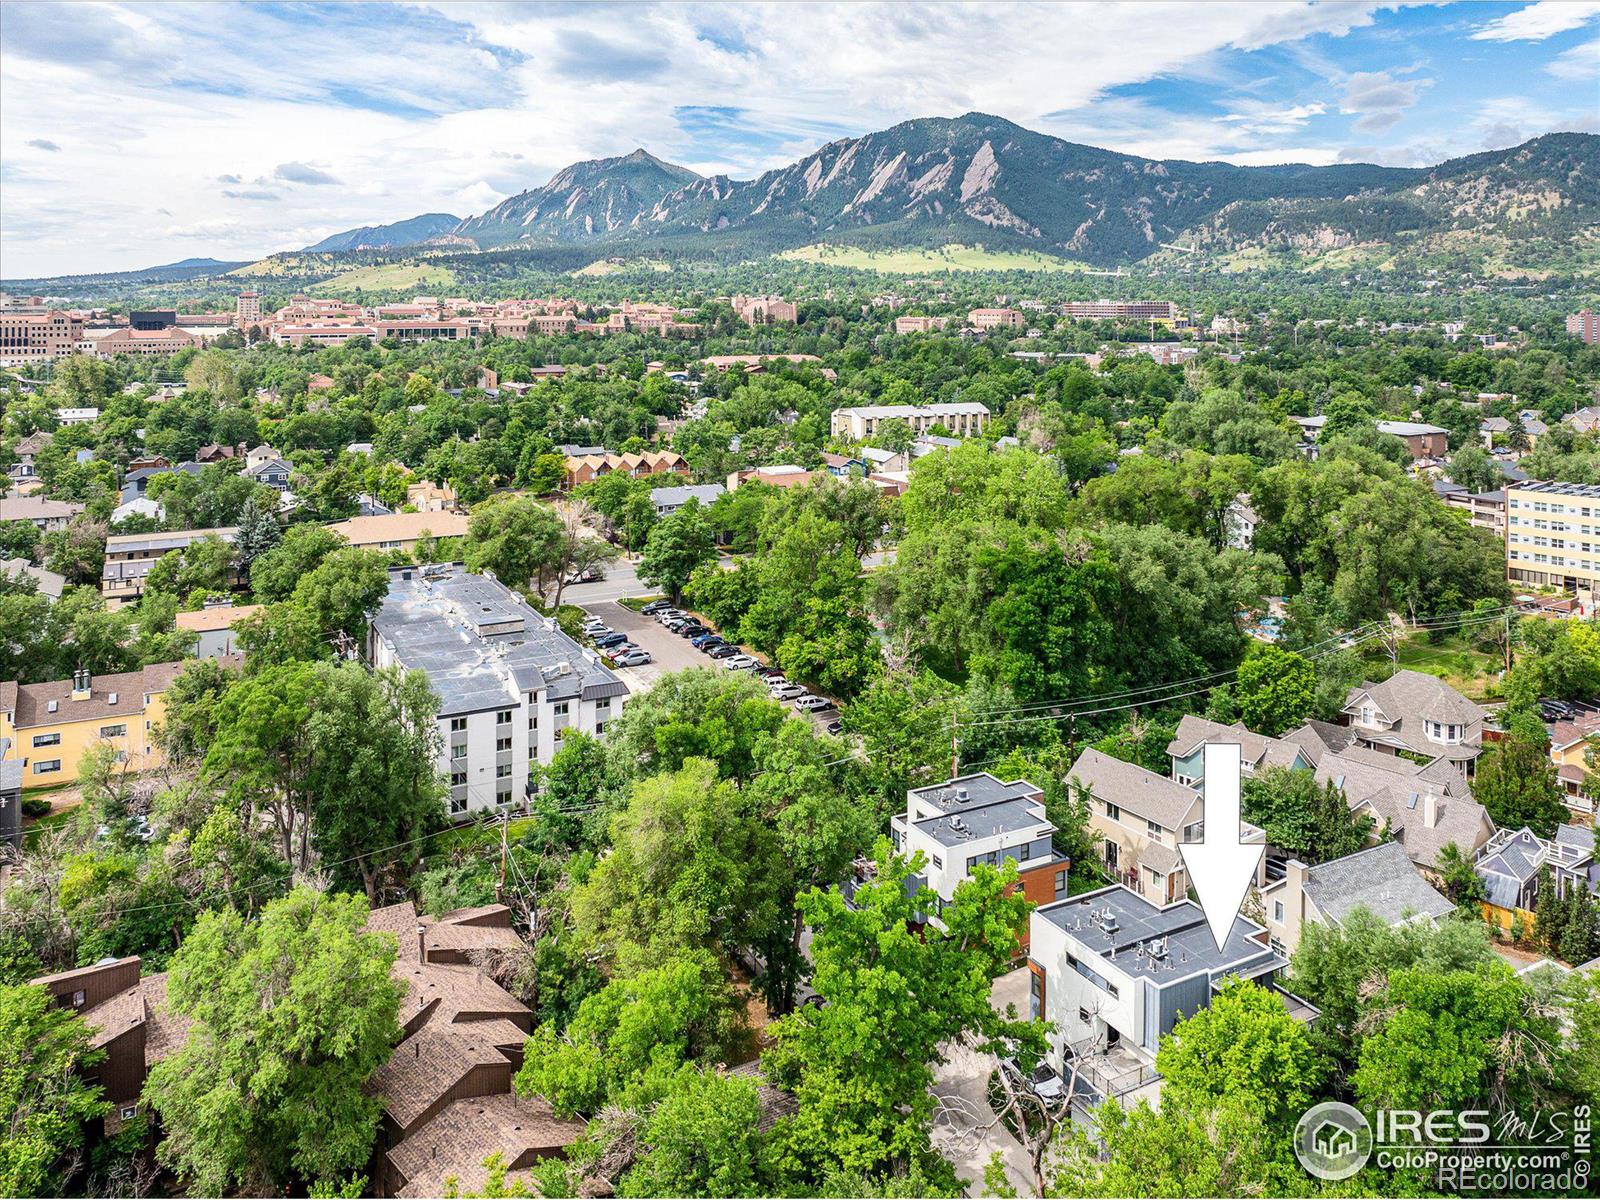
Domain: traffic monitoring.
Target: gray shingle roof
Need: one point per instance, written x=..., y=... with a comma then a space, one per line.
x=1383, y=880
x=1135, y=790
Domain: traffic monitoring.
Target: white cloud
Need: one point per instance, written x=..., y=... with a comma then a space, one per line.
x=1539, y=21
x=1581, y=64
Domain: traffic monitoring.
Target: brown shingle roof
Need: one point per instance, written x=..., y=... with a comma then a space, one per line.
x=32, y=703
x=428, y=1064
x=1140, y=792
x=455, y=1143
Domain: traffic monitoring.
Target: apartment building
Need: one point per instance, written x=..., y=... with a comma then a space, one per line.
x=329, y=333
x=581, y=469
x=1585, y=325
x=247, y=309
x=47, y=727
x=424, y=330
x=1121, y=310
x=28, y=336
x=400, y=531
x=964, y=418
x=1422, y=441
x=145, y=343
x=1485, y=510
x=980, y=819
x=511, y=683
x=997, y=318
x=130, y=556
x=1553, y=537
x=916, y=324
x=1114, y=972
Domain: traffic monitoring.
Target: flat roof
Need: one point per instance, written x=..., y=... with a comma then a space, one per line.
x=971, y=791
x=984, y=821
x=1117, y=924
x=1588, y=491
x=482, y=645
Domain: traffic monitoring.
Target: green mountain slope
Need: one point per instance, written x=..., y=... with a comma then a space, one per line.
x=409, y=232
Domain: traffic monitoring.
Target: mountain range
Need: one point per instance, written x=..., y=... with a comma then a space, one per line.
x=410, y=232
x=981, y=178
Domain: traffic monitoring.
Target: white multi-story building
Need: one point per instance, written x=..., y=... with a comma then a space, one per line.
x=964, y=418
x=510, y=682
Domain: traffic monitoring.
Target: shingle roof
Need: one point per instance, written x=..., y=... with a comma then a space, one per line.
x=1134, y=789
x=1383, y=880
x=466, y=1132
x=32, y=702
x=430, y=1062
x=1256, y=750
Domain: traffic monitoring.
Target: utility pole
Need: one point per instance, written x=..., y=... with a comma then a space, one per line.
x=505, y=828
x=955, y=753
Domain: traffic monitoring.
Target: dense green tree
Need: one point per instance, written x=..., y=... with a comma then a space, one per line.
x=1311, y=820
x=702, y=1139
x=1516, y=782
x=45, y=1049
x=676, y=546
x=1275, y=689
x=275, y=574
x=515, y=537
x=258, y=533
x=291, y=1014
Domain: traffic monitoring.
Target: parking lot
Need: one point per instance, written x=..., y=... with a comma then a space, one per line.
x=670, y=652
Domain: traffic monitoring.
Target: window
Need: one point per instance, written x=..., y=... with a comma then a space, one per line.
x=1061, y=885
x=77, y=999
x=130, y=1111
x=1153, y=829
x=1083, y=1015
x=560, y=734
x=502, y=795
x=602, y=705
x=111, y=731
x=46, y=739
x=501, y=744
x=599, y=728
x=1277, y=911
x=938, y=863
x=458, y=805
x=560, y=708
x=458, y=724
x=503, y=717
x=1154, y=875
x=1112, y=811
x=1035, y=994
x=458, y=752
x=458, y=779
x=533, y=719
x=503, y=771
x=47, y=766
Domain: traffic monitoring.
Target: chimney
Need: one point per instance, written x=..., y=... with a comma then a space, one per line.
x=422, y=943
x=80, y=684
x=1294, y=878
x=1430, y=810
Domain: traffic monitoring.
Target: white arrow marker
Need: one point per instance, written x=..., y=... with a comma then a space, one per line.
x=1220, y=866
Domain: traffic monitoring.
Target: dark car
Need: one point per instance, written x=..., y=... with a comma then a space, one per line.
x=770, y=673
x=1558, y=710
x=835, y=728
x=692, y=630
x=723, y=651
x=700, y=639
x=656, y=606
x=610, y=640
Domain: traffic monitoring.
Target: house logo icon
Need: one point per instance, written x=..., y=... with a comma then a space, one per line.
x=1333, y=1141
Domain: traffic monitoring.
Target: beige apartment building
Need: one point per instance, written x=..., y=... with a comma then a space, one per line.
x=997, y=318
x=1121, y=310
x=38, y=336
x=247, y=309
x=917, y=324
x=130, y=556
x=963, y=418
x=1553, y=535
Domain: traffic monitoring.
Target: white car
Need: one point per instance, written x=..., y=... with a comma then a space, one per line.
x=809, y=703
x=739, y=662
x=788, y=691
x=634, y=658
x=667, y=614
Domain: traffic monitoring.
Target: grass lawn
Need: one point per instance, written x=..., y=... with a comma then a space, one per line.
x=387, y=276
x=915, y=261
x=604, y=266
x=1471, y=671
x=637, y=603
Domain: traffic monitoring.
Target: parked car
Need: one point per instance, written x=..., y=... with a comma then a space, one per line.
x=835, y=728
x=634, y=658
x=710, y=644
x=610, y=640
x=692, y=629
x=597, y=632
x=593, y=623
x=770, y=673
x=1558, y=710
x=739, y=662
x=669, y=614
x=592, y=575
x=813, y=703
x=723, y=651
x=656, y=606
x=788, y=691
x=702, y=639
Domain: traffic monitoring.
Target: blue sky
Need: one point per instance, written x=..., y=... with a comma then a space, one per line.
x=132, y=134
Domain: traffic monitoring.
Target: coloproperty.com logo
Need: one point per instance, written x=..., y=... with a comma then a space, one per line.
x=1469, y=1151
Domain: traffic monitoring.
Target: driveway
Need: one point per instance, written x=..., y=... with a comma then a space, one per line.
x=966, y=1130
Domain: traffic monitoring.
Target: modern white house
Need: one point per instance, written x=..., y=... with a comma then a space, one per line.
x=510, y=682
x=1114, y=972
